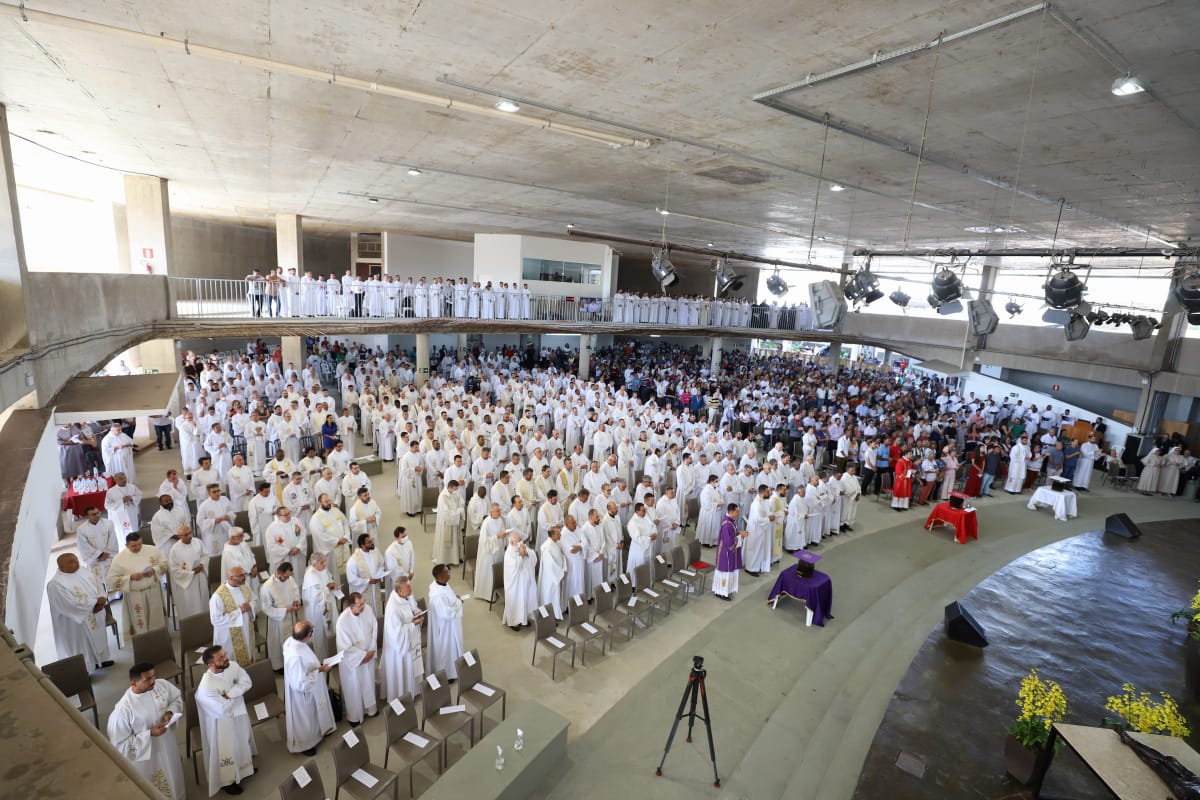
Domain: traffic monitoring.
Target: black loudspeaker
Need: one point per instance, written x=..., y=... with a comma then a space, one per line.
x=962, y=627
x=1121, y=525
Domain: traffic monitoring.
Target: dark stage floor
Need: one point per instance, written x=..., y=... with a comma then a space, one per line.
x=1090, y=612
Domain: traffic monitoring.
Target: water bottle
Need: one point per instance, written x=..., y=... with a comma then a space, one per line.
x=519, y=744
x=499, y=757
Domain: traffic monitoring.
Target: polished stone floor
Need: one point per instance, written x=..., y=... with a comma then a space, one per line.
x=1090, y=612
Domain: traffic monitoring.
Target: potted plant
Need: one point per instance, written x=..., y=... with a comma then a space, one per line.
x=1027, y=751
x=1140, y=712
x=1191, y=648
x=1191, y=616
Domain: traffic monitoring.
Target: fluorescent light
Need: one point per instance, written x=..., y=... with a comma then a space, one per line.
x=414, y=171
x=662, y=211
x=837, y=187
x=1127, y=84
x=373, y=200
x=506, y=105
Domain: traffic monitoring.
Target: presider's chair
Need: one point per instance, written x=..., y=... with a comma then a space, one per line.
x=545, y=630
x=476, y=695
x=354, y=770
x=439, y=715
x=403, y=739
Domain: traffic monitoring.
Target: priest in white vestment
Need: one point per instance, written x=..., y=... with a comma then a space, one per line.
x=400, y=558
x=642, y=534
x=550, y=515
x=225, y=732
x=520, y=583
x=298, y=496
x=97, y=542
x=137, y=571
x=446, y=548
x=214, y=517
x=261, y=511
x=237, y=553
x=594, y=553
x=356, y=641
x=793, y=532
x=122, y=503
x=756, y=549
x=553, y=573
x=167, y=523
x=408, y=480
x=279, y=600
x=365, y=572
x=188, y=570
x=364, y=516
x=445, y=624
x=331, y=535
x=77, y=602
x=493, y=538
x=139, y=727
x=231, y=610
x=852, y=497
x=320, y=603
x=401, y=665
x=117, y=451
x=309, y=714
x=284, y=541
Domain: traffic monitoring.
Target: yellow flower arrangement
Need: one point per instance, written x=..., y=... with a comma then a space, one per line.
x=1042, y=703
x=1192, y=615
x=1141, y=713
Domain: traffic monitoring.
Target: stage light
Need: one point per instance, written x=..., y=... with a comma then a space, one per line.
x=1012, y=309
x=1064, y=290
x=1143, y=327
x=777, y=285
x=946, y=290
x=727, y=279
x=507, y=106
x=863, y=287
x=663, y=269
x=899, y=298
x=1188, y=294
x=1126, y=85
x=1076, y=328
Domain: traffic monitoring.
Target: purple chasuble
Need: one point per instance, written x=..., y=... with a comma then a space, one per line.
x=729, y=555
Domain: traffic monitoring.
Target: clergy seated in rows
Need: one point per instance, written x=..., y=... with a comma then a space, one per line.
x=77, y=602
x=140, y=728
x=401, y=661
x=356, y=637
x=308, y=711
x=137, y=572
x=232, y=609
x=520, y=582
x=445, y=624
x=225, y=733
x=279, y=600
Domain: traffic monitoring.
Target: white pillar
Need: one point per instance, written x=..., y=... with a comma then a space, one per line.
x=715, y=364
x=463, y=347
x=291, y=350
x=289, y=242
x=585, y=355
x=148, y=219
x=422, y=359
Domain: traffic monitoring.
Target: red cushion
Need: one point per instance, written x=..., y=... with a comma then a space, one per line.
x=701, y=564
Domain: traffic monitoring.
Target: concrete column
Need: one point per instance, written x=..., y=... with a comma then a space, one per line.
x=14, y=321
x=463, y=347
x=835, y=357
x=289, y=242
x=291, y=349
x=148, y=219
x=422, y=359
x=991, y=268
x=707, y=348
x=887, y=359
x=585, y=355
x=715, y=362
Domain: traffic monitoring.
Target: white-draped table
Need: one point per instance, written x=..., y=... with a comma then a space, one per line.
x=1063, y=503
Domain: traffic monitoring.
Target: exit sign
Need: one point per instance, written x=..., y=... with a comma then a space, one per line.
x=147, y=252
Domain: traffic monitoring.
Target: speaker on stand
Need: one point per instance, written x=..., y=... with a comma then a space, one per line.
x=962, y=627
x=1121, y=525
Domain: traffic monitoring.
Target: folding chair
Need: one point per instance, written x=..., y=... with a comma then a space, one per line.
x=545, y=632
x=694, y=558
x=632, y=604
x=606, y=613
x=435, y=698
x=497, y=583
x=662, y=578
x=352, y=755
x=403, y=739
x=690, y=578
x=263, y=692
x=291, y=789
x=70, y=676
x=154, y=647
x=470, y=554
x=192, y=739
x=476, y=695
x=578, y=623
x=643, y=575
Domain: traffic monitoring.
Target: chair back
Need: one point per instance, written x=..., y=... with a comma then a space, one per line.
x=429, y=496
x=544, y=625
x=693, y=551
x=213, y=573
x=624, y=588
x=290, y=790
x=433, y=699
x=262, y=681
x=471, y=547
x=497, y=579
x=1114, y=469
x=194, y=631
x=577, y=613
x=346, y=758
x=69, y=676
x=241, y=519
x=153, y=646
x=397, y=725
x=190, y=716
x=662, y=568
x=643, y=576
x=605, y=599
x=260, y=557
x=308, y=544
x=468, y=674
x=678, y=559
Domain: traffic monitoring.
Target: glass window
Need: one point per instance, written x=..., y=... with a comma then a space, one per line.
x=546, y=269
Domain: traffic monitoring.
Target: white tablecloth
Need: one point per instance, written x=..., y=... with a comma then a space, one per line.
x=1063, y=503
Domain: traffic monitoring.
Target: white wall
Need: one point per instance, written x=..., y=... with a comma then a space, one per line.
x=36, y=532
x=433, y=258
x=498, y=257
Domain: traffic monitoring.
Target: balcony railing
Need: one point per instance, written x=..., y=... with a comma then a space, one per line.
x=217, y=298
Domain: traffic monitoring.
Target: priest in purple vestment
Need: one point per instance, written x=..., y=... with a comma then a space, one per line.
x=729, y=555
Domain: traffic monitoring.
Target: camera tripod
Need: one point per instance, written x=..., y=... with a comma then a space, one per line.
x=694, y=689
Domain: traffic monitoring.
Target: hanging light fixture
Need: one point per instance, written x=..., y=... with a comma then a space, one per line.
x=776, y=285
x=1012, y=309
x=981, y=317
x=662, y=268
x=1188, y=294
x=508, y=106
x=945, y=290
x=899, y=298
x=1064, y=289
x=1143, y=327
x=1077, y=328
x=727, y=279
x=1126, y=85
x=863, y=287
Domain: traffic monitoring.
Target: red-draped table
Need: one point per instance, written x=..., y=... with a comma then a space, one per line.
x=76, y=503
x=963, y=520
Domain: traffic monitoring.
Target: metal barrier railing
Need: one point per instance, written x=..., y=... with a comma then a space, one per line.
x=220, y=298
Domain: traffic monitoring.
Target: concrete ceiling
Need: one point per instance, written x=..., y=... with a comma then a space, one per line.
x=1028, y=102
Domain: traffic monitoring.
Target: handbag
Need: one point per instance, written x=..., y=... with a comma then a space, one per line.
x=335, y=701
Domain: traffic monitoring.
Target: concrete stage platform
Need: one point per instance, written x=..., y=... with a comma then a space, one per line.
x=1090, y=612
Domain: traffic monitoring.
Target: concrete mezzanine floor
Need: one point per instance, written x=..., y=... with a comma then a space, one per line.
x=795, y=709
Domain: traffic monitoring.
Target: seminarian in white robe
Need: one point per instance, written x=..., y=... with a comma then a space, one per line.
x=449, y=523
x=493, y=536
x=214, y=517
x=73, y=595
x=356, y=638
x=401, y=665
x=320, y=604
x=166, y=523
x=188, y=563
x=756, y=548
x=225, y=732
x=551, y=576
x=285, y=540
x=136, y=728
x=240, y=483
x=331, y=535
x=279, y=600
x=117, y=451
x=408, y=481
x=231, y=610
x=400, y=559
x=574, y=547
x=365, y=572
x=122, y=503
x=641, y=529
x=445, y=626
x=520, y=583
x=309, y=714
x=137, y=571
x=96, y=540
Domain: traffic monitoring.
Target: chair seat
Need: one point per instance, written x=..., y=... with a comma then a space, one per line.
x=446, y=724
x=478, y=702
x=557, y=648
x=275, y=707
x=409, y=753
x=167, y=670
x=386, y=779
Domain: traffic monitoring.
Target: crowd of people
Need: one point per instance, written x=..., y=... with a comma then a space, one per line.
x=569, y=482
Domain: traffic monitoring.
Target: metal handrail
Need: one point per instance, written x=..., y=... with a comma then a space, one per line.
x=223, y=298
